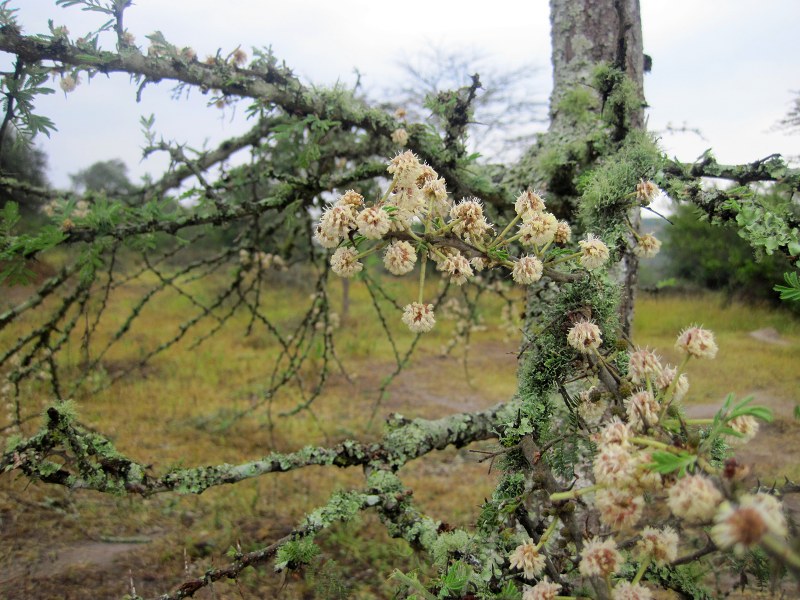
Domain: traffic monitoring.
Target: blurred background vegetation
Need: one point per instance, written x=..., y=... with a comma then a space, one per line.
x=697, y=255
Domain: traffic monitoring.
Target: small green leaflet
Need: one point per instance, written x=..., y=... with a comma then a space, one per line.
x=667, y=462
x=759, y=412
x=792, y=292
x=498, y=253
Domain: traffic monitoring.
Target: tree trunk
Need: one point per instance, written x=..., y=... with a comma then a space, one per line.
x=585, y=33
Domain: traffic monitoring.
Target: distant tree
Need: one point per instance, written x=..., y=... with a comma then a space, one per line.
x=108, y=176
x=24, y=163
x=718, y=258
x=507, y=113
x=791, y=122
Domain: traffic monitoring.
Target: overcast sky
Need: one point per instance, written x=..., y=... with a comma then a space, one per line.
x=727, y=67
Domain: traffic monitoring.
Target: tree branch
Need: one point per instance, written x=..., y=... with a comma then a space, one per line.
x=93, y=462
x=265, y=82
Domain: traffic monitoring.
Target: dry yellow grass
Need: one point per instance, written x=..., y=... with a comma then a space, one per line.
x=159, y=416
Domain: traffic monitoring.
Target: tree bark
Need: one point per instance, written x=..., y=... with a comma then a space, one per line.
x=585, y=33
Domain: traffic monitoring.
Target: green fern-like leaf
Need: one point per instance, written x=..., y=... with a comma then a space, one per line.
x=792, y=292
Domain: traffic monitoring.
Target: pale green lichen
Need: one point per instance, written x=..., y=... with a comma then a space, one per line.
x=13, y=442
x=578, y=104
x=581, y=45
x=66, y=410
x=384, y=482
x=46, y=468
x=342, y=506
x=456, y=543
x=550, y=358
x=406, y=441
x=422, y=533
x=135, y=473
x=620, y=97
x=608, y=191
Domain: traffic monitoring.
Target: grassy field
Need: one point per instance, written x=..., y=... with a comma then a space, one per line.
x=88, y=545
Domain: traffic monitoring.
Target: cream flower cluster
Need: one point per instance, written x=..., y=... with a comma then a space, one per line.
x=631, y=466
x=585, y=337
x=419, y=317
x=647, y=246
x=697, y=342
x=415, y=221
x=600, y=558
x=544, y=590
x=263, y=260
x=527, y=559
x=594, y=253
x=743, y=525
x=399, y=258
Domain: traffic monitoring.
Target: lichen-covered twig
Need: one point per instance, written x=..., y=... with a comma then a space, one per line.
x=92, y=462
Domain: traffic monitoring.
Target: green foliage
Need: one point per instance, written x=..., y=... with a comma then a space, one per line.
x=107, y=176
x=412, y=584
x=15, y=249
x=668, y=462
x=307, y=132
x=329, y=581
x=756, y=562
x=510, y=491
x=19, y=92
x=295, y=553
x=7, y=16
x=9, y=217
x=92, y=5
x=716, y=257
x=549, y=358
x=685, y=579
x=510, y=591
x=566, y=452
x=453, y=582
x=791, y=122
x=22, y=162
x=719, y=450
x=608, y=191
x=792, y=292
x=728, y=411
x=489, y=516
